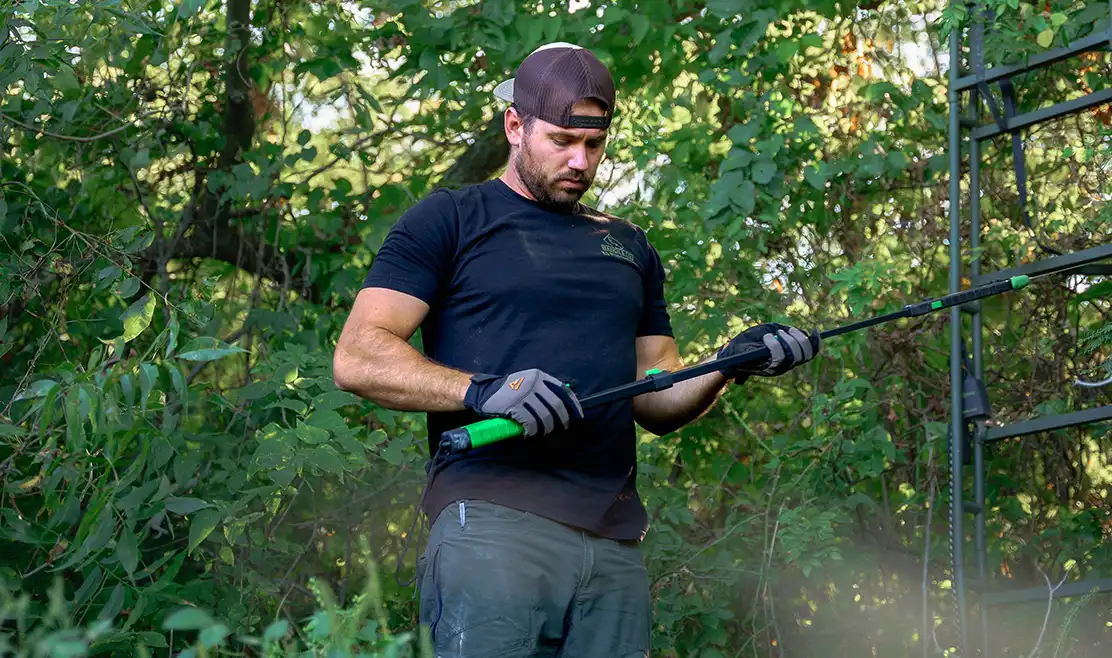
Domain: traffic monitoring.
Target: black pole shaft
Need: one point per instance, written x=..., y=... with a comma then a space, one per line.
x=668, y=379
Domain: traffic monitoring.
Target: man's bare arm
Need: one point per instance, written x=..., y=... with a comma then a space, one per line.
x=375, y=361
x=665, y=411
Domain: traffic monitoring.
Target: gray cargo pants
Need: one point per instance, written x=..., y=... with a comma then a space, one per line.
x=497, y=582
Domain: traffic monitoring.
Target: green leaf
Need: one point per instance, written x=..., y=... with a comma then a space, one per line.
x=109, y=274
x=877, y=91
x=172, y=339
x=141, y=159
x=127, y=550
x=7, y=430
x=37, y=389
x=393, y=453
x=786, y=50
x=376, y=437
x=203, y=524
x=1045, y=38
x=137, y=496
x=722, y=42
x=138, y=317
x=310, y=434
x=744, y=196
x=1057, y=19
x=152, y=639
x=190, y=7
x=276, y=631
x=255, y=391
x=65, y=80
x=207, y=348
x=185, y=505
x=737, y=159
x=115, y=603
x=335, y=399
x=303, y=137
x=297, y=406
x=327, y=420
x=741, y=133
x=727, y=8
x=350, y=444
x=214, y=636
x=88, y=588
x=763, y=171
x=187, y=619
x=282, y=476
x=815, y=177
x=326, y=459
x=1096, y=291
x=148, y=376
x=640, y=27
x=128, y=287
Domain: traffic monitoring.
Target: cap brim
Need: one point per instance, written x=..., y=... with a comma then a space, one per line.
x=505, y=90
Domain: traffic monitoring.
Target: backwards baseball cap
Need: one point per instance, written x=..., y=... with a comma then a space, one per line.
x=555, y=77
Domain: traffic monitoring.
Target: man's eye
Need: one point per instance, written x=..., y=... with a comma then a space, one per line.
x=560, y=142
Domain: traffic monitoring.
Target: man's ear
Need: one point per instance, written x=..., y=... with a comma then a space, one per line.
x=514, y=126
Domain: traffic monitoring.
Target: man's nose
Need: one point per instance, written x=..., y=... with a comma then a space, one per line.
x=578, y=159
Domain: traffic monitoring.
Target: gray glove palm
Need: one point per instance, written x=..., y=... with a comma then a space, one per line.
x=531, y=397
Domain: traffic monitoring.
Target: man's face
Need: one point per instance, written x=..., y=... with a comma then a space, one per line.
x=557, y=165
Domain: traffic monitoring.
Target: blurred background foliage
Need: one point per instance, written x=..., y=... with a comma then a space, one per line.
x=191, y=193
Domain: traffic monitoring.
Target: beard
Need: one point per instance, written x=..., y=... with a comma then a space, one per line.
x=544, y=187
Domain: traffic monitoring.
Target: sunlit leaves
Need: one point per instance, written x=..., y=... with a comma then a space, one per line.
x=138, y=317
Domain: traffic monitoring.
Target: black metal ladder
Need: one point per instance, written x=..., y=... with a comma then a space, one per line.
x=968, y=90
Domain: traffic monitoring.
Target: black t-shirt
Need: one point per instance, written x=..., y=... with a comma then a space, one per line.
x=512, y=285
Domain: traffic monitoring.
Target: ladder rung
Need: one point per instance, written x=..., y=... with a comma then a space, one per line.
x=1092, y=42
x=1048, y=423
x=1049, y=265
x=1028, y=594
x=1027, y=119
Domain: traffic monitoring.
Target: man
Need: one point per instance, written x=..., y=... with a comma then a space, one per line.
x=527, y=300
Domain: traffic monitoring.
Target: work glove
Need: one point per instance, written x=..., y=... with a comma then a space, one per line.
x=788, y=348
x=532, y=397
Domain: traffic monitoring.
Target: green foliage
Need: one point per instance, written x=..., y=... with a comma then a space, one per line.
x=192, y=192
x=358, y=630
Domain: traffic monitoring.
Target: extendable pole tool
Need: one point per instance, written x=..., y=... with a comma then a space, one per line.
x=492, y=430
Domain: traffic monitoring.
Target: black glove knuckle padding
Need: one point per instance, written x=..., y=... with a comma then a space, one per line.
x=788, y=347
x=531, y=397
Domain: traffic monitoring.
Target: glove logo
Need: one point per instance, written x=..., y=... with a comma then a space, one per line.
x=516, y=384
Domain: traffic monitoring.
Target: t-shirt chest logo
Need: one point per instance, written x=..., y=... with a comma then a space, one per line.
x=611, y=247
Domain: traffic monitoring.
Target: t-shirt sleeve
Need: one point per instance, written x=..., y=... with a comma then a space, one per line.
x=654, y=313
x=417, y=256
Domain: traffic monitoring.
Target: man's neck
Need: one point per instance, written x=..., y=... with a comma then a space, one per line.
x=513, y=181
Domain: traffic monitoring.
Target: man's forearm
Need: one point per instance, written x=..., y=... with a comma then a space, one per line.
x=664, y=411
x=387, y=370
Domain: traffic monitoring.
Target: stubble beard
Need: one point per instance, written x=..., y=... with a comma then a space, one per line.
x=541, y=187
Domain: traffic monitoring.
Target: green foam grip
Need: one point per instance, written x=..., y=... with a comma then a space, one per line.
x=493, y=430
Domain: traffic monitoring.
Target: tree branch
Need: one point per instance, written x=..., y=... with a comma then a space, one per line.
x=486, y=155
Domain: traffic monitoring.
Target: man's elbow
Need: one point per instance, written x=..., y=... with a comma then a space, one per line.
x=657, y=426
x=344, y=371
